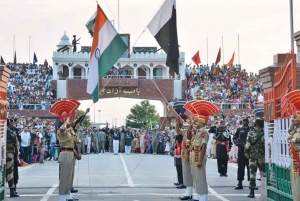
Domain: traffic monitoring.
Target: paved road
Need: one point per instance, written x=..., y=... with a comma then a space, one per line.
x=135, y=177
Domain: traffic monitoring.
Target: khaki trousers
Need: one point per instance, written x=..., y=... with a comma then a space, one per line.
x=65, y=160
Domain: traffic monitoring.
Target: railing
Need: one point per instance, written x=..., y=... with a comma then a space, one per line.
x=238, y=106
x=29, y=107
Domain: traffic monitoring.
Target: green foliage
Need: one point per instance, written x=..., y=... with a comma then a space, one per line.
x=86, y=122
x=143, y=115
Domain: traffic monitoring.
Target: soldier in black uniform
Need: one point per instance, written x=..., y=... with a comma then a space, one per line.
x=239, y=139
x=223, y=141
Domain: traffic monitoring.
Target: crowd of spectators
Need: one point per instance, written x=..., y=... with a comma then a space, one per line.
x=231, y=86
x=30, y=87
x=38, y=139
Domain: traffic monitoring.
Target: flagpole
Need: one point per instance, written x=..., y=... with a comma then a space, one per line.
x=14, y=48
x=29, y=48
x=207, y=50
x=223, y=50
x=292, y=25
x=239, y=48
x=118, y=16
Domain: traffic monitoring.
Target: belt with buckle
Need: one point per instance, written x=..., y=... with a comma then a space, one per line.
x=66, y=149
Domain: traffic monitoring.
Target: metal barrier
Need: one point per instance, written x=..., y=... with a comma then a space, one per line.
x=29, y=106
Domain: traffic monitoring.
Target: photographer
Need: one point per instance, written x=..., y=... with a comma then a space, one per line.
x=239, y=139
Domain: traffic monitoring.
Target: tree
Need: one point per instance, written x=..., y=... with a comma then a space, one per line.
x=143, y=115
x=86, y=121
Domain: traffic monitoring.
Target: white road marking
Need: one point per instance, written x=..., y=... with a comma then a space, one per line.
x=49, y=192
x=132, y=194
x=214, y=193
x=128, y=176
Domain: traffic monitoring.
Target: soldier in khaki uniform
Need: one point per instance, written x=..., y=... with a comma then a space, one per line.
x=198, y=157
x=255, y=151
x=95, y=140
x=11, y=145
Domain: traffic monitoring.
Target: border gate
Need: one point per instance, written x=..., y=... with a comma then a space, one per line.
x=277, y=113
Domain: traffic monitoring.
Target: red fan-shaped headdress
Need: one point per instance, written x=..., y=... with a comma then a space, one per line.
x=64, y=108
x=203, y=110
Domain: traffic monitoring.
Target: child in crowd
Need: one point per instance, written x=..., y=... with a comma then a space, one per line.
x=42, y=151
x=167, y=149
x=36, y=143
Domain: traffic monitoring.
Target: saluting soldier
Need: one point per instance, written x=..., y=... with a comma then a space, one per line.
x=255, y=152
x=11, y=145
x=223, y=143
x=239, y=139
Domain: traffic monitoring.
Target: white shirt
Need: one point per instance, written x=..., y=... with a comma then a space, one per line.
x=25, y=136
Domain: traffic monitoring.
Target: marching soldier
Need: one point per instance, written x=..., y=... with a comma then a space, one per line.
x=122, y=140
x=128, y=139
x=11, y=145
x=223, y=142
x=255, y=152
x=239, y=139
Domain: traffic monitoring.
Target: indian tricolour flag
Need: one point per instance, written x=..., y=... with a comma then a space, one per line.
x=107, y=48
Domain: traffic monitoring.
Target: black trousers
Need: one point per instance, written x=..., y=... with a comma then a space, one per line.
x=242, y=163
x=222, y=166
x=178, y=165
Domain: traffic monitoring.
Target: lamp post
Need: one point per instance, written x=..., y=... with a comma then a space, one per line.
x=99, y=119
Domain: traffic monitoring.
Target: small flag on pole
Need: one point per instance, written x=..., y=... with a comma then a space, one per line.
x=2, y=61
x=196, y=58
x=34, y=58
x=91, y=24
x=231, y=60
x=107, y=48
x=218, y=59
x=164, y=29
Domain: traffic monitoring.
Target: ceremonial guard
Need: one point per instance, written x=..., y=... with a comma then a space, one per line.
x=81, y=148
x=255, y=152
x=294, y=140
x=65, y=110
x=198, y=157
x=11, y=145
x=239, y=139
x=223, y=143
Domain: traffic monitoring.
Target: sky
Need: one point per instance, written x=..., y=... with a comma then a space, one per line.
x=263, y=28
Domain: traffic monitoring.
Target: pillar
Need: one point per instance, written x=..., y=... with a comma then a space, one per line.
x=297, y=50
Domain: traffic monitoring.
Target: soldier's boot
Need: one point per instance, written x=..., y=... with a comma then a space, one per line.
x=251, y=194
x=239, y=185
x=16, y=190
x=13, y=193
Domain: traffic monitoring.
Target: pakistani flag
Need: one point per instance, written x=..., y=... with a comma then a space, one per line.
x=91, y=24
x=107, y=48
